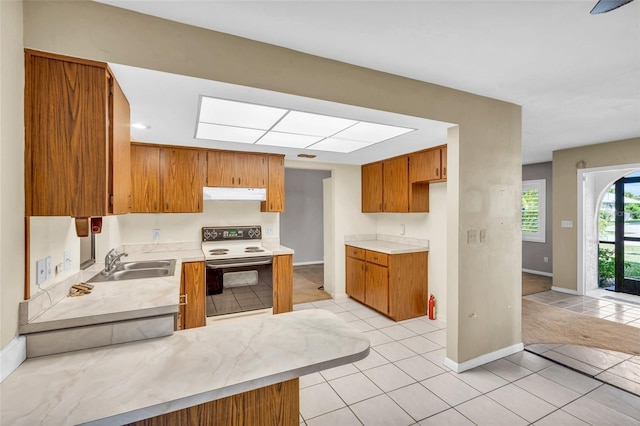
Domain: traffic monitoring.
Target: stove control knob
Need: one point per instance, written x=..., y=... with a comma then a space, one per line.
x=251, y=233
x=207, y=235
x=256, y=232
x=214, y=234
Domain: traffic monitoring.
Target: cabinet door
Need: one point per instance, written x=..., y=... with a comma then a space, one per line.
x=396, y=185
x=66, y=108
x=253, y=170
x=275, y=185
x=145, y=179
x=424, y=166
x=377, y=287
x=182, y=176
x=194, y=296
x=120, y=147
x=443, y=161
x=282, y=283
x=372, y=188
x=221, y=169
x=356, y=278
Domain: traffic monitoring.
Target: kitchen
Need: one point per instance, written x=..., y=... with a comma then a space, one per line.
x=348, y=219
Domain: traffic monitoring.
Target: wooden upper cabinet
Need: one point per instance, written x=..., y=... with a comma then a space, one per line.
x=182, y=179
x=167, y=180
x=372, y=188
x=443, y=157
x=76, y=131
x=237, y=169
x=275, y=185
x=424, y=166
x=145, y=179
x=396, y=185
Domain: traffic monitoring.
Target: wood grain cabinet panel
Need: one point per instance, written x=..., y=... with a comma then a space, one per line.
x=145, y=179
x=75, y=117
x=167, y=179
x=182, y=178
x=394, y=285
x=275, y=185
x=282, y=283
x=396, y=185
x=193, y=296
x=272, y=405
x=443, y=159
x=424, y=166
x=372, y=185
x=237, y=169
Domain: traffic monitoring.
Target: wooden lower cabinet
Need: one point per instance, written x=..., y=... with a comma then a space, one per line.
x=393, y=284
x=282, y=283
x=272, y=405
x=193, y=303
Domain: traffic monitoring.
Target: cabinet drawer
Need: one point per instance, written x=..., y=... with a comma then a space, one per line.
x=377, y=257
x=358, y=253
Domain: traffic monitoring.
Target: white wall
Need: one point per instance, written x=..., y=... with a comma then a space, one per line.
x=11, y=168
x=137, y=228
x=429, y=226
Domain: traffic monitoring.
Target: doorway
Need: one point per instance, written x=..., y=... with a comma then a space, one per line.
x=619, y=237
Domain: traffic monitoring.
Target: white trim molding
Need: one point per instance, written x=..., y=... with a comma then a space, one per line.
x=12, y=356
x=483, y=359
x=564, y=290
x=531, y=271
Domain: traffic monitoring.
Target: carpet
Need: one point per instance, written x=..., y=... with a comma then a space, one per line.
x=306, y=280
x=547, y=324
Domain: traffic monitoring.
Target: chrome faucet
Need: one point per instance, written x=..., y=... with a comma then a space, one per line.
x=111, y=261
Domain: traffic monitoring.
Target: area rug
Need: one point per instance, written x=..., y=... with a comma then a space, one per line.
x=306, y=280
x=547, y=324
x=532, y=283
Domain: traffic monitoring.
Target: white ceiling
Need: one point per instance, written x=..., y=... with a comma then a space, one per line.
x=576, y=75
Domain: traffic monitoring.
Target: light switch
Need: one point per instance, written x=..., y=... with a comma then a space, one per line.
x=566, y=224
x=67, y=260
x=49, y=267
x=41, y=271
x=472, y=236
x=483, y=236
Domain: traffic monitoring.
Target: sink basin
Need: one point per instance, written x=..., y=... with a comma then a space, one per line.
x=138, y=270
x=147, y=264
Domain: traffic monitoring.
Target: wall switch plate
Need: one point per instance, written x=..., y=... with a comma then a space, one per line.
x=156, y=234
x=268, y=230
x=49, y=266
x=472, y=236
x=566, y=224
x=41, y=271
x=59, y=268
x=545, y=259
x=402, y=229
x=67, y=260
x=483, y=236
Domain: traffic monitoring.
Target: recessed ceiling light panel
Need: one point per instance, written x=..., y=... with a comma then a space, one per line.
x=238, y=114
x=338, y=145
x=305, y=123
x=371, y=132
x=227, y=133
x=288, y=140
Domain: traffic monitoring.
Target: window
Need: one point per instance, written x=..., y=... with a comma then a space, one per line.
x=533, y=210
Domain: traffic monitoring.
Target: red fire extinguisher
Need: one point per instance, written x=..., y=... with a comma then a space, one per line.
x=432, y=307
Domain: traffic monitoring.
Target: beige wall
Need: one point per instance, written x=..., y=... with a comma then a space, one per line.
x=488, y=276
x=565, y=199
x=11, y=168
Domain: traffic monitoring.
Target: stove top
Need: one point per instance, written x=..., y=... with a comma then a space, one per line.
x=233, y=242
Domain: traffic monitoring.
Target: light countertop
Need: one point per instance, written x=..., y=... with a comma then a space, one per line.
x=117, y=300
x=133, y=381
x=387, y=247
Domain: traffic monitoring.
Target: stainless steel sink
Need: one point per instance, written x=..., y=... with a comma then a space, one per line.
x=138, y=270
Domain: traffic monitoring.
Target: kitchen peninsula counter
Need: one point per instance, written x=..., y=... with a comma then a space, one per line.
x=139, y=380
x=387, y=247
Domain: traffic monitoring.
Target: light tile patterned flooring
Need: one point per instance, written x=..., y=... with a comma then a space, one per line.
x=403, y=382
x=616, y=368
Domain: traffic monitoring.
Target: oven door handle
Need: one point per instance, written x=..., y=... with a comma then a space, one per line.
x=236, y=265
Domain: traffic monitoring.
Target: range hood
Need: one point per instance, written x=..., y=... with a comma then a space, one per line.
x=237, y=194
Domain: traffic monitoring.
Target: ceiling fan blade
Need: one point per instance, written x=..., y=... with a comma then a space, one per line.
x=604, y=6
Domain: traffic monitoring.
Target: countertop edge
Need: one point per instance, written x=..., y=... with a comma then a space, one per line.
x=379, y=246
x=190, y=401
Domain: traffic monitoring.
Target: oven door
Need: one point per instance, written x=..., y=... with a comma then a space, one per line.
x=234, y=273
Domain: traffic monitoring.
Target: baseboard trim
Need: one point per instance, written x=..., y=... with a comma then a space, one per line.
x=315, y=262
x=12, y=356
x=564, y=290
x=531, y=271
x=483, y=359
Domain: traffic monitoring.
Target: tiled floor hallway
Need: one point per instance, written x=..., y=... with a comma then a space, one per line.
x=403, y=382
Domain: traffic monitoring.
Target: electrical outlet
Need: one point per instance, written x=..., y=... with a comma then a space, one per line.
x=268, y=230
x=472, y=236
x=156, y=234
x=59, y=268
x=41, y=271
x=402, y=229
x=67, y=260
x=483, y=236
x=48, y=263
x=545, y=259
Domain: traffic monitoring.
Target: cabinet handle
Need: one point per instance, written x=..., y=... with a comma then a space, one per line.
x=167, y=206
x=183, y=300
x=444, y=171
x=239, y=181
x=155, y=205
x=437, y=171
